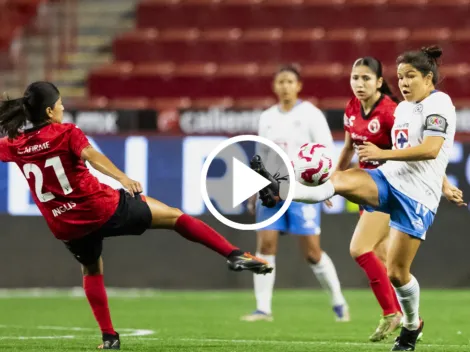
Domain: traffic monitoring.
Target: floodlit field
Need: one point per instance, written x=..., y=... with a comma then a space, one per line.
x=209, y=321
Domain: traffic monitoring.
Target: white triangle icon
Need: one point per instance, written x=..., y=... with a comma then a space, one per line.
x=246, y=182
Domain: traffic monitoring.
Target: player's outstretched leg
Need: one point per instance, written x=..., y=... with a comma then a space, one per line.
x=165, y=217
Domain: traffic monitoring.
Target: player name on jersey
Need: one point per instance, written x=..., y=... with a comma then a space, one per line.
x=34, y=148
x=63, y=208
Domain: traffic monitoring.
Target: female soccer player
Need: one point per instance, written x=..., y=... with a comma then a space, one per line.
x=289, y=124
x=409, y=185
x=369, y=117
x=80, y=210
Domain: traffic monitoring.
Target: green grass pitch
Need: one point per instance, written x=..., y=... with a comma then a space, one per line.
x=210, y=321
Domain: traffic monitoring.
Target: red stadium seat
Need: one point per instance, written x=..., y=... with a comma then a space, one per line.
x=203, y=80
x=129, y=104
x=292, y=14
x=91, y=103
x=292, y=45
x=334, y=103
x=170, y=103
x=213, y=102
x=219, y=48
x=254, y=103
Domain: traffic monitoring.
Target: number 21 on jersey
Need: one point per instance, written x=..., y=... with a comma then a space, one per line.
x=59, y=171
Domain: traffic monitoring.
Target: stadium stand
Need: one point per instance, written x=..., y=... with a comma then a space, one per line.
x=230, y=48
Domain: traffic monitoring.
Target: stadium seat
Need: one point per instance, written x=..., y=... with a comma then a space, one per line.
x=213, y=102
x=200, y=80
x=230, y=45
x=160, y=104
x=129, y=104
x=292, y=14
x=254, y=103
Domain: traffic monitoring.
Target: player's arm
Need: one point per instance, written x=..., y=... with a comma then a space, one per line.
x=347, y=153
x=428, y=150
x=452, y=193
x=102, y=163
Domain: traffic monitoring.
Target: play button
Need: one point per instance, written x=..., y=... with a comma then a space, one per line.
x=246, y=182
x=238, y=181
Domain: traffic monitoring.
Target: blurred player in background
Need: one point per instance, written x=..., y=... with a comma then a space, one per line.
x=409, y=185
x=290, y=124
x=79, y=210
x=369, y=117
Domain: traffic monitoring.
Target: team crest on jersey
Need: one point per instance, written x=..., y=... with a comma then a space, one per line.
x=374, y=126
x=418, y=108
x=401, y=139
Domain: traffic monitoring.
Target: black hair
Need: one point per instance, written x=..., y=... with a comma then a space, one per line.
x=295, y=69
x=425, y=61
x=16, y=113
x=376, y=66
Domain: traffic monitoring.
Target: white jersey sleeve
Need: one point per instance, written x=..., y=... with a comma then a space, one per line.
x=439, y=114
x=262, y=149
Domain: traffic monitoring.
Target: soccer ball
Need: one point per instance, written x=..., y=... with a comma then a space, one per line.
x=313, y=164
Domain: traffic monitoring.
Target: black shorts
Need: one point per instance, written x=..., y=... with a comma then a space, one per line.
x=131, y=218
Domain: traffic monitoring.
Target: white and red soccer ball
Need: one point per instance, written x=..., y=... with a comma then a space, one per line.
x=313, y=164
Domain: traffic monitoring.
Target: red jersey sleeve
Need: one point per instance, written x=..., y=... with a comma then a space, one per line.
x=5, y=154
x=77, y=141
x=347, y=114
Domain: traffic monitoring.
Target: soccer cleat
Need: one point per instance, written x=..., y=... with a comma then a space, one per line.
x=110, y=342
x=246, y=261
x=387, y=326
x=257, y=315
x=269, y=195
x=408, y=338
x=342, y=313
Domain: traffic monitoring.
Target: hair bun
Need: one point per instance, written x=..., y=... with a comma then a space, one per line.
x=434, y=51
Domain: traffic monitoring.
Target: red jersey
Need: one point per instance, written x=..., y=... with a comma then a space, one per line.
x=73, y=201
x=375, y=127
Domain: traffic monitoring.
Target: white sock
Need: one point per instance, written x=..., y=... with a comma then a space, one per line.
x=325, y=273
x=264, y=285
x=307, y=194
x=408, y=296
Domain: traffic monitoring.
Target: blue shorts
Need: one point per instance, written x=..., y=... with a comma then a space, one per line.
x=299, y=219
x=406, y=214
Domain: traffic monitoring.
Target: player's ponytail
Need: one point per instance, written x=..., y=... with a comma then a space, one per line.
x=385, y=89
x=13, y=116
x=425, y=61
x=376, y=66
x=32, y=108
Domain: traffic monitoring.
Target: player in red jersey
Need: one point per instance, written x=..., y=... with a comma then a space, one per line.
x=81, y=211
x=369, y=117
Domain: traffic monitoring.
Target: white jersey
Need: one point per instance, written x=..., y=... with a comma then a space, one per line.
x=305, y=123
x=422, y=180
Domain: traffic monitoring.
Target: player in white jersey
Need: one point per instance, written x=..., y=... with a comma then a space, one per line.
x=290, y=124
x=409, y=185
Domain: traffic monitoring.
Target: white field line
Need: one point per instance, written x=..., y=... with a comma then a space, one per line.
x=142, y=335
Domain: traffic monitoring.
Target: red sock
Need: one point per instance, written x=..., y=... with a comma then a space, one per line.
x=379, y=282
x=96, y=294
x=195, y=230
